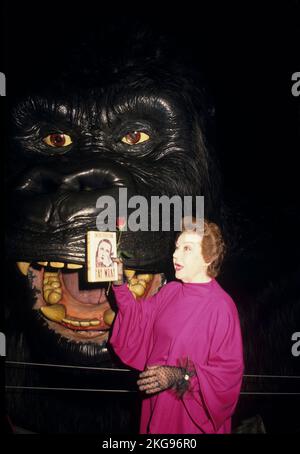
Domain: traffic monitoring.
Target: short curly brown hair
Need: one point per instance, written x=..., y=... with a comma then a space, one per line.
x=213, y=245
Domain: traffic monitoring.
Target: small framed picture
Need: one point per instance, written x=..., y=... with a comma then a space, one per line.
x=101, y=248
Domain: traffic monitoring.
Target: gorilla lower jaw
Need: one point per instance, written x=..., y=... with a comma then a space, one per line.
x=75, y=314
x=74, y=309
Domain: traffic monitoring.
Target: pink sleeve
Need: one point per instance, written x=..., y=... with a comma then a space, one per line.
x=215, y=389
x=131, y=336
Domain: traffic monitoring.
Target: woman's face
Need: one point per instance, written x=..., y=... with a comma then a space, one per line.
x=188, y=260
x=104, y=252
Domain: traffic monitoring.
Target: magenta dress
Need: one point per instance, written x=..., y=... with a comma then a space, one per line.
x=195, y=321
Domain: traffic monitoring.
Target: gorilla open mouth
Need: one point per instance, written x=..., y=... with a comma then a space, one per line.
x=73, y=308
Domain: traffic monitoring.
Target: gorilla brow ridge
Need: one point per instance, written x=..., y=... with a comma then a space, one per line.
x=36, y=110
x=131, y=102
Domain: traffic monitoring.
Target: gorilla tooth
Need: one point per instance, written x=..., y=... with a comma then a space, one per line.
x=55, y=284
x=94, y=322
x=54, y=297
x=52, y=291
x=145, y=277
x=137, y=283
x=109, y=316
x=23, y=267
x=51, y=283
x=84, y=323
x=143, y=283
x=137, y=289
x=57, y=264
x=54, y=313
x=73, y=266
x=74, y=322
x=129, y=273
x=71, y=322
x=133, y=281
x=81, y=323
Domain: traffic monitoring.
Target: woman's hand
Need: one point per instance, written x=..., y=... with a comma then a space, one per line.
x=120, y=280
x=158, y=378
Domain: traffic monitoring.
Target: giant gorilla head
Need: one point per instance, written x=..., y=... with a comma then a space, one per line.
x=140, y=122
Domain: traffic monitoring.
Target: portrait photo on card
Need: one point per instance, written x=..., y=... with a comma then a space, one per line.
x=101, y=249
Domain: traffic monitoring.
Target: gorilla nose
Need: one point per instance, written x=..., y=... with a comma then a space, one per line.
x=52, y=197
x=92, y=176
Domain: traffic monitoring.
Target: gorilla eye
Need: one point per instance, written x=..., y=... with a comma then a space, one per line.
x=58, y=140
x=135, y=137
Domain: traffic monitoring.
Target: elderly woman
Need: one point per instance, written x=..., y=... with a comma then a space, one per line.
x=187, y=341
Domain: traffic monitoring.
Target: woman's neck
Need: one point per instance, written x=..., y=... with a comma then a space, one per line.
x=198, y=279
